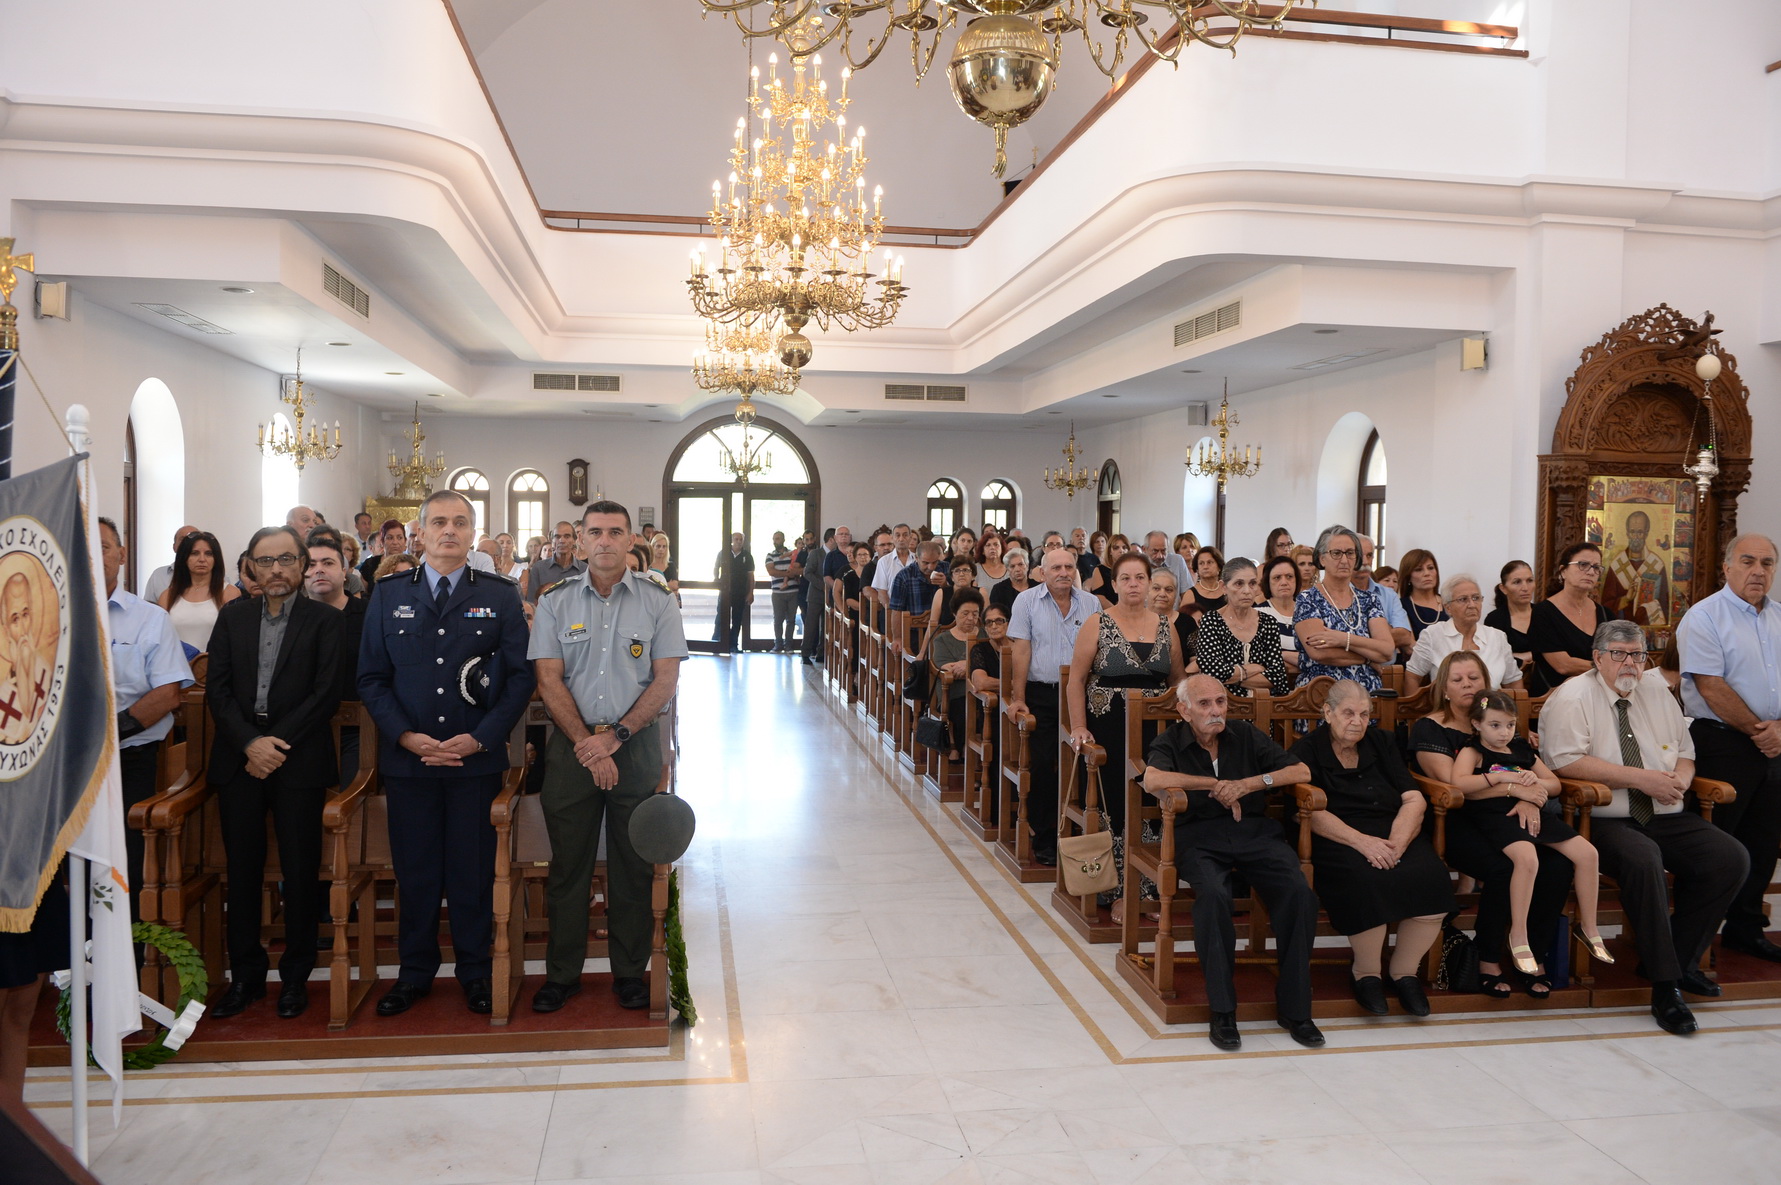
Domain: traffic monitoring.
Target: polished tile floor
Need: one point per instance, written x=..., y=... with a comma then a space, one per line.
x=881, y=1006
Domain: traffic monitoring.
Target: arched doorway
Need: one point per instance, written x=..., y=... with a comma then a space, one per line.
x=703, y=504
x=1107, y=499
x=157, y=477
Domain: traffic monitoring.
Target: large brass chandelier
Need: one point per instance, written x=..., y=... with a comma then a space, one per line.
x=795, y=234
x=1068, y=477
x=743, y=358
x=1222, y=461
x=1004, y=65
x=299, y=445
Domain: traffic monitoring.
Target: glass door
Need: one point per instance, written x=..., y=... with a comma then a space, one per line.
x=768, y=513
x=704, y=532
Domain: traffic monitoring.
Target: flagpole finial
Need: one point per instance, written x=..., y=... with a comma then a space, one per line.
x=78, y=421
x=10, y=265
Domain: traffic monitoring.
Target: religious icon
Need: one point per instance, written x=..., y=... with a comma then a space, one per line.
x=31, y=655
x=578, y=482
x=1646, y=537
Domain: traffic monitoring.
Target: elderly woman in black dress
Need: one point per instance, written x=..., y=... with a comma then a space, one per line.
x=1435, y=740
x=1372, y=867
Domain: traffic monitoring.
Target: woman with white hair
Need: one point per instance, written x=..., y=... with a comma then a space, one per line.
x=1463, y=600
x=1341, y=627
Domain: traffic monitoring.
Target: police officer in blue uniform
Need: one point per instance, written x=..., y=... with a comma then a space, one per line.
x=443, y=672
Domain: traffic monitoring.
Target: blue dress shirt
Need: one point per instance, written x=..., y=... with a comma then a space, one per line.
x=1728, y=637
x=1037, y=620
x=146, y=653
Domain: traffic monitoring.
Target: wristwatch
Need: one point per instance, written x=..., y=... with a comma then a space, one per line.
x=621, y=732
x=1268, y=781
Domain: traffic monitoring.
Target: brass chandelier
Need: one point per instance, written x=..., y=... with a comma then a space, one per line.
x=1004, y=65
x=746, y=460
x=794, y=231
x=300, y=446
x=1222, y=461
x=415, y=475
x=1067, y=477
x=743, y=358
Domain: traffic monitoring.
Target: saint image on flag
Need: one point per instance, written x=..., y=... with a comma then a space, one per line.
x=33, y=654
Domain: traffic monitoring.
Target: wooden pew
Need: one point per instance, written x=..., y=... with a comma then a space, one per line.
x=1154, y=975
x=982, y=719
x=1013, y=846
x=941, y=776
x=355, y=860
x=1080, y=804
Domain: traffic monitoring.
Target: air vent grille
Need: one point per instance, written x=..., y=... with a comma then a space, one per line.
x=1208, y=323
x=575, y=382
x=917, y=393
x=189, y=320
x=345, y=291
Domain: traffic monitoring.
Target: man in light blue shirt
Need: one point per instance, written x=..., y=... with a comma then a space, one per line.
x=1043, y=629
x=1730, y=649
x=148, y=671
x=1156, y=546
x=1395, y=617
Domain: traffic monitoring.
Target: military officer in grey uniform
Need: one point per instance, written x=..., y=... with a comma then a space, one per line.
x=443, y=672
x=606, y=645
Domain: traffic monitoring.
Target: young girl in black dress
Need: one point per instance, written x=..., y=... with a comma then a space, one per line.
x=1499, y=759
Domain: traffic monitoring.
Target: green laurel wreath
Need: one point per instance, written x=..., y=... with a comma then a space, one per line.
x=194, y=984
x=680, y=996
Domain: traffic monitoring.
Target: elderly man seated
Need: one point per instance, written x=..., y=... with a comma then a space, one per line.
x=1228, y=769
x=1611, y=726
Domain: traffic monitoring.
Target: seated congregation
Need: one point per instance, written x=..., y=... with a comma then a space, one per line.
x=1299, y=769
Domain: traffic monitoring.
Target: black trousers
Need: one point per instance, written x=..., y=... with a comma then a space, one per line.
x=297, y=821
x=1471, y=853
x=1709, y=867
x=1754, y=820
x=1041, y=812
x=1206, y=854
x=443, y=846
x=732, y=608
x=811, y=647
x=137, y=766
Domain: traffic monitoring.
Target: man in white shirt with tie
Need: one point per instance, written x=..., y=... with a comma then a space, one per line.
x=1611, y=726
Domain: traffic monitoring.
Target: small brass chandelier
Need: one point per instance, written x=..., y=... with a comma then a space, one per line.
x=795, y=235
x=299, y=446
x=1222, y=461
x=743, y=358
x=1004, y=65
x=1067, y=477
x=746, y=460
x=415, y=476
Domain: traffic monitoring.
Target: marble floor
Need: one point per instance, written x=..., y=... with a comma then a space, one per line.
x=881, y=1006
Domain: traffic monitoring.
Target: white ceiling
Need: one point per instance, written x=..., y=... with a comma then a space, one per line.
x=582, y=84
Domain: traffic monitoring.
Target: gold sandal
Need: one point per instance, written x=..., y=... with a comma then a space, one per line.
x=1598, y=950
x=1524, y=959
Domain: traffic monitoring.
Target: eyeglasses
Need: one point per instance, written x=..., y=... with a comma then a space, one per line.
x=1474, y=599
x=1585, y=566
x=1346, y=553
x=995, y=621
x=266, y=563
x=1624, y=656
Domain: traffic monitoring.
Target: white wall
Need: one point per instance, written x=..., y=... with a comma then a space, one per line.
x=101, y=357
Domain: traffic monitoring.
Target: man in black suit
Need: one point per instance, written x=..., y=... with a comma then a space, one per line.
x=272, y=690
x=735, y=592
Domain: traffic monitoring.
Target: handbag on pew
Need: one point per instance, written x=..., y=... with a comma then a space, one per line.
x=930, y=730
x=1087, y=863
x=1458, y=971
x=915, y=683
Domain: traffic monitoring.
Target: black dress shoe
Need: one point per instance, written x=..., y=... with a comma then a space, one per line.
x=1305, y=1032
x=236, y=1000
x=553, y=995
x=631, y=992
x=1671, y=1014
x=1045, y=854
x=1411, y=995
x=1369, y=990
x=292, y=1000
x=1756, y=945
x=1223, y=1032
x=401, y=998
x=478, y=997
x=1696, y=984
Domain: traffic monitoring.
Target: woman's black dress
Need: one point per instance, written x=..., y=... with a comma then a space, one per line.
x=1534, y=682
x=1356, y=895
x=1549, y=630
x=1419, y=619
x=44, y=947
x=1204, y=604
x=1471, y=851
x=1119, y=664
x=1492, y=814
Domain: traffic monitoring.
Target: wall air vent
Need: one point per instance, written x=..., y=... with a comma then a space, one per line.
x=346, y=292
x=179, y=315
x=1339, y=359
x=1208, y=323
x=576, y=382
x=917, y=393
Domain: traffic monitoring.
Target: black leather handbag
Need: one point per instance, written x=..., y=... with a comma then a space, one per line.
x=930, y=730
x=917, y=682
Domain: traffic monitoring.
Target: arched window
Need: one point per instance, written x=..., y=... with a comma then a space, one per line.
x=1000, y=504
x=1369, y=512
x=946, y=507
x=157, y=478
x=712, y=457
x=278, y=475
x=528, y=505
x=1107, y=498
x=475, y=488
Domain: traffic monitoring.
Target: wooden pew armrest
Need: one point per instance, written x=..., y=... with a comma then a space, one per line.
x=164, y=809
x=1094, y=754
x=1308, y=797
x=1023, y=721
x=341, y=806
x=1439, y=794
x=1172, y=800
x=1577, y=793
x=1714, y=791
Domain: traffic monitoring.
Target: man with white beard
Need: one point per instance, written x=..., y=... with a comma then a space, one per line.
x=1614, y=727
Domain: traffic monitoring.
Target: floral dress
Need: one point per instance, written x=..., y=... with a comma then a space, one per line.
x=1312, y=605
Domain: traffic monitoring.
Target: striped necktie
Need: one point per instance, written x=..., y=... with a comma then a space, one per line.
x=1638, y=803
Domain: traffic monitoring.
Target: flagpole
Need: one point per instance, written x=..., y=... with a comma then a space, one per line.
x=79, y=897
x=10, y=265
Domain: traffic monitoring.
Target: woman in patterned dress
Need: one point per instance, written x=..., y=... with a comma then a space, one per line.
x=1342, y=629
x=1239, y=646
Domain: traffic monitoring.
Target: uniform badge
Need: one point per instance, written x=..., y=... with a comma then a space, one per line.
x=476, y=682
x=636, y=650
x=404, y=611
x=479, y=611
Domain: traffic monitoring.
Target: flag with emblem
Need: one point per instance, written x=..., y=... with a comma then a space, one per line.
x=59, y=784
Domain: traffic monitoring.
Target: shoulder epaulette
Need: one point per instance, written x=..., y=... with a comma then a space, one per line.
x=411, y=574
x=498, y=576
x=658, y=580
x=550, y=588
